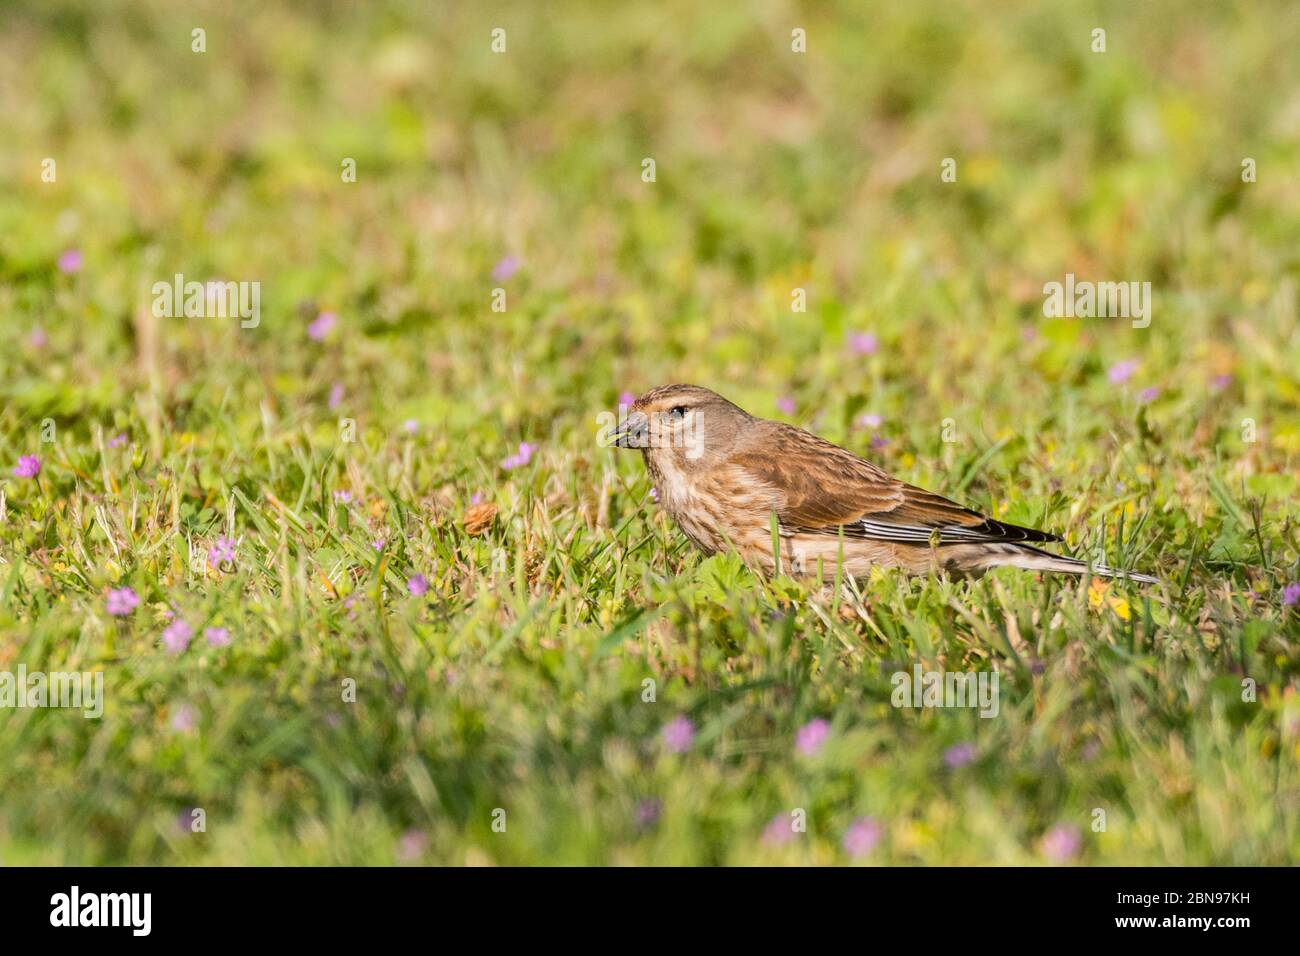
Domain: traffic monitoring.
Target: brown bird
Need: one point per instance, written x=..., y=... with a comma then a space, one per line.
x=722, y=474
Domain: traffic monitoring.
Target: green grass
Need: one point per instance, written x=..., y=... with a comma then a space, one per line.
x=518, y=681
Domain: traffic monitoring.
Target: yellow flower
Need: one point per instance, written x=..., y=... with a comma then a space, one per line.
x=914, y=837
x=1097, y=596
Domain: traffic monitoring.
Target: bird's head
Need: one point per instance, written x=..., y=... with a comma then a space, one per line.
x=684, y=427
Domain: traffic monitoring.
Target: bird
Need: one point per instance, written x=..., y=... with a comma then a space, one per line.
x=722, y=474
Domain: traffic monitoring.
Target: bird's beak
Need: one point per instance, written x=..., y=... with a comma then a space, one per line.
x=632, y=432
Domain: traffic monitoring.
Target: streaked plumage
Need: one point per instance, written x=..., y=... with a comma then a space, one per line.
x=721, y=473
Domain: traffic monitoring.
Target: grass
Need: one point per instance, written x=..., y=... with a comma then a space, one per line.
x=519, y=681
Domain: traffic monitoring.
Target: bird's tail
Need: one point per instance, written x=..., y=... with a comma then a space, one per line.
x=1029, y=558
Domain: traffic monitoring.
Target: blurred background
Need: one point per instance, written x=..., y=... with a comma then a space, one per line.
x=774, y=170
x=522, y=170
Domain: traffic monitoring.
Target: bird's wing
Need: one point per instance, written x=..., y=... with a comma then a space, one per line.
x=820, y=488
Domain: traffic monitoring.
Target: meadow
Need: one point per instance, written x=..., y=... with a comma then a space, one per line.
x=365, y=588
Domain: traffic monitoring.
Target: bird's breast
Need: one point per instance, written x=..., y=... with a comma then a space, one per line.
x=713, y=512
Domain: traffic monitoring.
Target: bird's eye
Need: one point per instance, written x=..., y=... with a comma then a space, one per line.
x=677, y=413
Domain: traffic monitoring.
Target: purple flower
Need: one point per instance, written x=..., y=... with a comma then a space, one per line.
x=37, y=338
x=879, y=441
x=183, y=718
x=70, y=262
x=378, y=544
x=411, y=845
x=217, y=636
x=507, y=267
x=1121, y=372
x=321, y=326
x=29, y=466
x=476, y=498
x=654, y=495
x=1149, y=394
x=626, y=399
x=1062, y=842
x=117, y=440
x=343, y=497
x=1029, y=334
x=1291, y=594
x=785, y=404
x=863, y=343
x=336, y=395
x=410, y=426
x=222, y=550
x=812, y=735
x=176, y=636
x=779, y=830
x=679, y=734
x=523, y=457
x=121, y=602
x=647, y=813
x=862, y=836
x=870, y=420
x=418, y=585
x=1221, y=382
x=959, y=755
